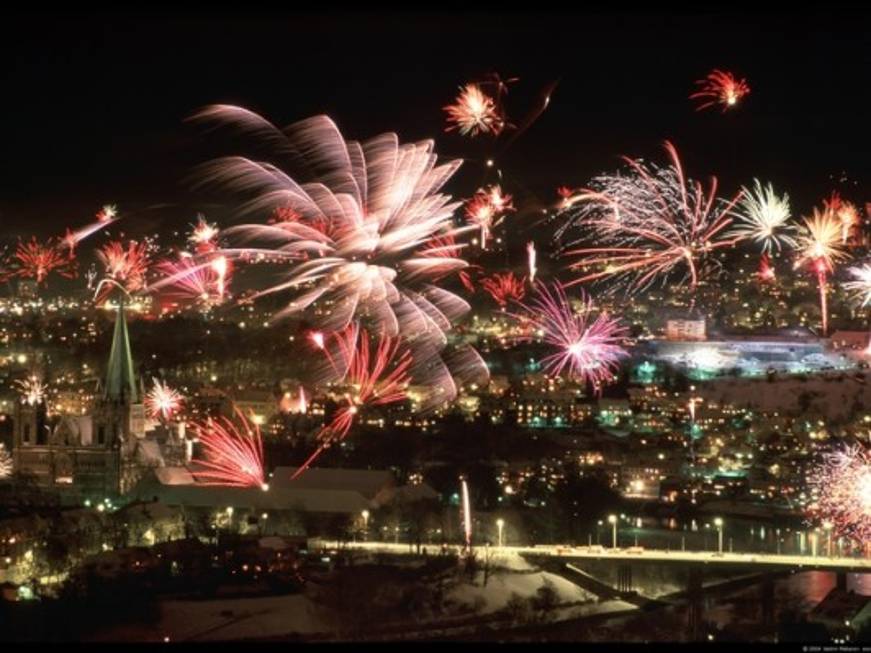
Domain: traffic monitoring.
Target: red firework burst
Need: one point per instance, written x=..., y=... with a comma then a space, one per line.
x=126, y=265
x=370, y=378
x=35, y=260
x=505, y=287
x=233, y=453
x=766, y=271
x=487, y=209
x=720, y=87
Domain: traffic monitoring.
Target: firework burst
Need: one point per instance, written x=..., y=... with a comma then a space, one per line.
x=722, y=88
x=233, y=453
x=589, y=349
x=32, y=390
x=763, y=217
x=128, y=265
x=841, y=490
x=108, y=213
x=369, y=377
x=191, y=280
x=821, y=247
x=860, y=287
x=204, y=235
x=487, y=209
x=649, y=223
x=163, y=401
x=504, y=288
x=474, y=112
x=766, y=271
x=35, y=260
x=847, y=214
x=383, y=204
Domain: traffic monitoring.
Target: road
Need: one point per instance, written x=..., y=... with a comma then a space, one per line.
x=780, y=561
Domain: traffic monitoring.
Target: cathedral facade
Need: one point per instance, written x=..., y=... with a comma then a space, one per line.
x=92, y=456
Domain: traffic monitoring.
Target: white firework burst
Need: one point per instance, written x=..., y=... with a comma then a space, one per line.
x=764, y=217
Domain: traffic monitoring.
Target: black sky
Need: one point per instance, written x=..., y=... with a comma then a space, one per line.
x=94, y=105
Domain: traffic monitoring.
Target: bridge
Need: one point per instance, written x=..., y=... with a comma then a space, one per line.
x=761, y=561
x=619, y=573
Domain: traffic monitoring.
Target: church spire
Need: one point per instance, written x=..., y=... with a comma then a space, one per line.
x=120, y=378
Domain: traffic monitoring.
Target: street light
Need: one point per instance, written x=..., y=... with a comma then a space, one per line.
x=365, y=514
x=230, y=517
x=612, y=519
x=828, y=526
x=500, y=523
x=718, y=522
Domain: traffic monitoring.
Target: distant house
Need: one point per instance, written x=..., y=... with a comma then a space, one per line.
x=318, y=491
x=851, y=340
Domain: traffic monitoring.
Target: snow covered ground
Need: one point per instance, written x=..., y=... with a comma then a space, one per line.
x=284, y=616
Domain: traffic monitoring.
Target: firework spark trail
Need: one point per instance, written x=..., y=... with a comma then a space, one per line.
x=383, y=203
x=106, y=216
x=32, y=390
x=467, y=515
x=531, y=261
x=841, y=492
x=474, y=112
x=720, y=87
x=188, y=279
x=372, y=377
x=6, y=464
x=233, y=454
x=820, y=246
x=588, y=349
x=651, y=221
x=163, y=401
x=505, y=288
x=763, y=216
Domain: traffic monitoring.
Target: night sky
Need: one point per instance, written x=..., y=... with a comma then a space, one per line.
x=94, y=105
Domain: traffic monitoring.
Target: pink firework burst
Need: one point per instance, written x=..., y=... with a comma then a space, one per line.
x=720, y=87
x=126, y=265
x=474, y=112
x=588, y=348
x=233, y=452
x=35, y=260
x=841, y=492
x=504, y=288
x=192, y=280
x=648, y=223
x=369, y=377
x=163, y=401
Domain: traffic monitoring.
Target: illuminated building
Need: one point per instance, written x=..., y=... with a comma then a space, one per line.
x=87, y=455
